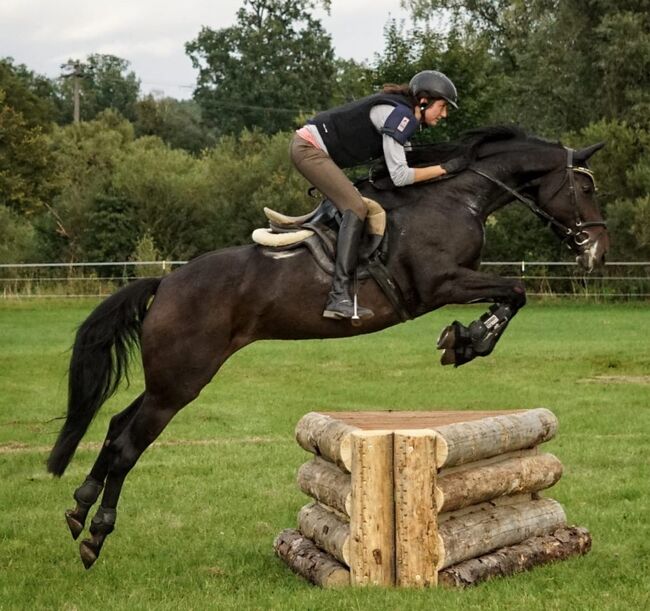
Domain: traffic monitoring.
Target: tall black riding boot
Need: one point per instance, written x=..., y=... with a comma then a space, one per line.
x=339, y=302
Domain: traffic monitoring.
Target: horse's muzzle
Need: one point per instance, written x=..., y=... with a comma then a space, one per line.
x=592, y=252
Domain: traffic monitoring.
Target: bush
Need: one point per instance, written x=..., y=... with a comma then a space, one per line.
x=17, y=237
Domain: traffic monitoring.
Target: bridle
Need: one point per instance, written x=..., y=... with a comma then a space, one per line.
x=579, y=235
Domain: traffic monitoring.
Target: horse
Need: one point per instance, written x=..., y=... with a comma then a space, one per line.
x=188, y=323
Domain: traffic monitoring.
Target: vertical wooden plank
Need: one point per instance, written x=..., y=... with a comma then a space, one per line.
x=372, y=518
x=416, y=530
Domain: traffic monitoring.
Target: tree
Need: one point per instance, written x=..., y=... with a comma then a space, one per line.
x=27, y=93
x=105, y=82
x=274, y=64
x=178, y=123
x=623, y=59
x=84, y=158
x=464, y=57
x=111, y=231
x=352, y=80
x=565, y=63
x=27, y=175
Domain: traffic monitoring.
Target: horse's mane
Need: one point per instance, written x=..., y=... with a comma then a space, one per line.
x=471, y=142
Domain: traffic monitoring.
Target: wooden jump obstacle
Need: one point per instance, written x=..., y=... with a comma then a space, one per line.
x=422, y=499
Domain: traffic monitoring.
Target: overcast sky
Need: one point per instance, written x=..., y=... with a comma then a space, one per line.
x=151, y=34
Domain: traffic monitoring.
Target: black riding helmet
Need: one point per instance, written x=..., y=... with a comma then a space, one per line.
x=434, y=85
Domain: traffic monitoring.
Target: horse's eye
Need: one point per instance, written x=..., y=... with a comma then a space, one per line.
x=587, y=189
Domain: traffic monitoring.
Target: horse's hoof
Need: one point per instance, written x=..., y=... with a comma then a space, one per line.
x=87, y=553
x=448, y=357
x=75, y=526
x=447, y=338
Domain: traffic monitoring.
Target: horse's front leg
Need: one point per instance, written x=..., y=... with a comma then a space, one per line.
x=461, y=344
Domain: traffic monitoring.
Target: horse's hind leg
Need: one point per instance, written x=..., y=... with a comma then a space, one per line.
x=89, y=491
x=123, y=452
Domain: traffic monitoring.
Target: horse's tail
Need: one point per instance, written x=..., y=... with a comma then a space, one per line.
x=100, y=358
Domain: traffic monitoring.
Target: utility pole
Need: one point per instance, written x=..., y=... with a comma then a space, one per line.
x=76, y=74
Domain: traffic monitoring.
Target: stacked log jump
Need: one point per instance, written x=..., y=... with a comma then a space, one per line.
x=425, y=498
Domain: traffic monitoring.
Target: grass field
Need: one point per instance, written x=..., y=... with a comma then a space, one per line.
x=201, y=509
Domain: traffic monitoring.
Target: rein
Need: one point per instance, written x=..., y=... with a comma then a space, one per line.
x=535, y=209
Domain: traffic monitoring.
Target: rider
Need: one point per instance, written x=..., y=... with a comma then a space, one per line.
x=355, y=133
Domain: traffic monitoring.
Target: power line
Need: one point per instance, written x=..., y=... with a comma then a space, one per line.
x=167, y=84
x=239, y=106
x=265, y=108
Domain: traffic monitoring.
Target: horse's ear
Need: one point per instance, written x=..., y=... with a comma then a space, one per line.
x=584, y=154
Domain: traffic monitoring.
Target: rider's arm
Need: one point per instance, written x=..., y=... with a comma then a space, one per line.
x=428, y=173
x=395, y=155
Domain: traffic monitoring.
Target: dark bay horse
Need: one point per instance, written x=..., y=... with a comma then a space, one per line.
x=188, y=323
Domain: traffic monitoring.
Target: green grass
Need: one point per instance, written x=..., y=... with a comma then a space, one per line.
x=199, y=512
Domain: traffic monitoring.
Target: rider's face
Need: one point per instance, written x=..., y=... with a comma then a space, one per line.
x=435, y=112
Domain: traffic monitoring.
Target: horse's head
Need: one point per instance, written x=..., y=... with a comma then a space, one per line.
x=558, y=184
x=569, y=197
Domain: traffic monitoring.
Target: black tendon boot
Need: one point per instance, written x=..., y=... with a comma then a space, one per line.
x=339, y=302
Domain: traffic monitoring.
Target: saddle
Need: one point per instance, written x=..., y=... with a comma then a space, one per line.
x=317, y=231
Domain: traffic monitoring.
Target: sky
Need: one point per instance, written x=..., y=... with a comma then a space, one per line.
x=151, y=34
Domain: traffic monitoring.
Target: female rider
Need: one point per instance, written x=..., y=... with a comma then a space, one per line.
x=355, y=133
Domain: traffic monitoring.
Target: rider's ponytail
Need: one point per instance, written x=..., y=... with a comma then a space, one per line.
x=400, y=90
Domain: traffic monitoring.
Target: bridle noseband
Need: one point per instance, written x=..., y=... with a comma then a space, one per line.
x=579, y=235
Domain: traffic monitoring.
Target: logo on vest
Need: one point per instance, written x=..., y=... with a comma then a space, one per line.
x=402, y=126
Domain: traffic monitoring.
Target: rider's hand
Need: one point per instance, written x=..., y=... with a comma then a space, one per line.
x=453, y=166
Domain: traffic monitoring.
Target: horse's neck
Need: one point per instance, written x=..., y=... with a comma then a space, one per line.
x=514, y=170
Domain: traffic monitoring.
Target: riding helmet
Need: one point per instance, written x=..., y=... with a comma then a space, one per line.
x=433, y=84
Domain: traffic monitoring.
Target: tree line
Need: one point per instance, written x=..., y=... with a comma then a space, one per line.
x=175, y=178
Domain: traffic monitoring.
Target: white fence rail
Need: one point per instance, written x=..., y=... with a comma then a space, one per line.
x=616, y=280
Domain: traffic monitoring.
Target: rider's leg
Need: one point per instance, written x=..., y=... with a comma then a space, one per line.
x=340, y=303
x=319, y=169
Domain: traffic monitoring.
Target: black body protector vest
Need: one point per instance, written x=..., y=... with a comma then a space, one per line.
x=350, y=136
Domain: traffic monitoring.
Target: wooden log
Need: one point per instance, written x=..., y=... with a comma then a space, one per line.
x=325, y=482
x=559, y=545
x=489, y=461
x=465, y=442
x=416, y=533
x=478, y=533
x=304, y=558
x=487, y=506
x=327, y=437
x=326, y=531
x=372, y=521
x=469, y=486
